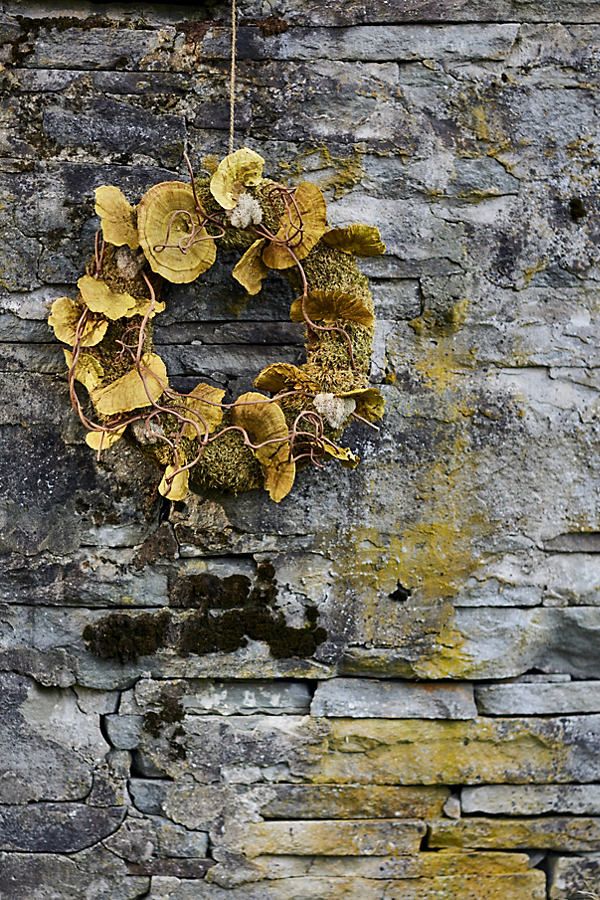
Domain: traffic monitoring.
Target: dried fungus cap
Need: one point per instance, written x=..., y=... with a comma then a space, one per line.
x=102, y=440
x=174, y=486
x=64, y=318
x=300, y=227
x=369, y=402
x=88, y=370
x=284, y=377
x=265, y=423
x=134, y=390
x=203, y=406
x=332, y=306
x=235, y=172
x=170, y=234
x=100, y=298
x=343, y=454
x=360, y=240
x=117, y=217
x=250, y=270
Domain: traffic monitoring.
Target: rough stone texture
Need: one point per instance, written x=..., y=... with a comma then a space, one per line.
x=446, y=725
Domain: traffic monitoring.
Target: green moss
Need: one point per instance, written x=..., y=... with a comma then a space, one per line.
x=169, y=712
x=125, y=637
x=227, y=464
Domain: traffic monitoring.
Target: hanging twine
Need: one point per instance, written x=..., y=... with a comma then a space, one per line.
x=232, y=74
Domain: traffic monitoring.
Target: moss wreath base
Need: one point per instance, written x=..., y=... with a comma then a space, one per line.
x=173, y=234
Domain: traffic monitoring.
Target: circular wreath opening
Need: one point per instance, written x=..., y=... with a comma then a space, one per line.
x=298, y=414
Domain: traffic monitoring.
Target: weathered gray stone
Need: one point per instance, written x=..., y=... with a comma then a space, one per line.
x=538, y=699
x=368, y=698
x=573, y=876
x=532, y=799
x=55, y=827
x=49, y=746
x=51, y=876
x=139, y=840
x=225, y=698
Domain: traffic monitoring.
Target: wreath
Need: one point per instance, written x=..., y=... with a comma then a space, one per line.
x=173, y=234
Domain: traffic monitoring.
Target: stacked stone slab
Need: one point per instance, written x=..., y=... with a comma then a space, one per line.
x=444, y=740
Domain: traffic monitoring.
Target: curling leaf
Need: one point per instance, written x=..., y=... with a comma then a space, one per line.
x=343, y=454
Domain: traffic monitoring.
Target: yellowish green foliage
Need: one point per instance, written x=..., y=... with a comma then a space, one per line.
x=250, y=271
x=237, y=171
x=332, y=306
x=99, y=298
x=301, y=226
x=172, y=237
x=64, y=318
x=117, y=217
x=361, y=240
x=265, y=423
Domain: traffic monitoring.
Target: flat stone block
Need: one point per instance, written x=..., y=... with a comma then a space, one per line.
x=333, y=838
x=538, y=699
x=532, y=799
x=323, y=801
x=368, y=698
x=551, y=833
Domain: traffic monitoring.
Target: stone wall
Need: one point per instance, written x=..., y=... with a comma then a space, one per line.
x=441, y=736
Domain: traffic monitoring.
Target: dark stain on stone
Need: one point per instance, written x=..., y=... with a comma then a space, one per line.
x=577, y=209
x=272, y=25
x=161, y=544
x=170, y=712
x=209, y=615
x=124, y=636
x=401, y=594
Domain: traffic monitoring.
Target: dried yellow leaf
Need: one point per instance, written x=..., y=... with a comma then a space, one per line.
x=235, y=172
x=202, y=405
x=64, y=318
x=369, y=403
x=174, y=242
x=117, y=217
x=99, y=298
x=174, y=488
x=134, y=390
x=265, y=422
x=102, y=440
x=300, y=227
x=284, y=376
x=343, y=454
x=361, y=240
x=332, y=306
x=88, y=370
x=251, y=270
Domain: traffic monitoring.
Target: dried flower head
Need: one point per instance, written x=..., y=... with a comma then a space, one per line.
x=247, y=212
